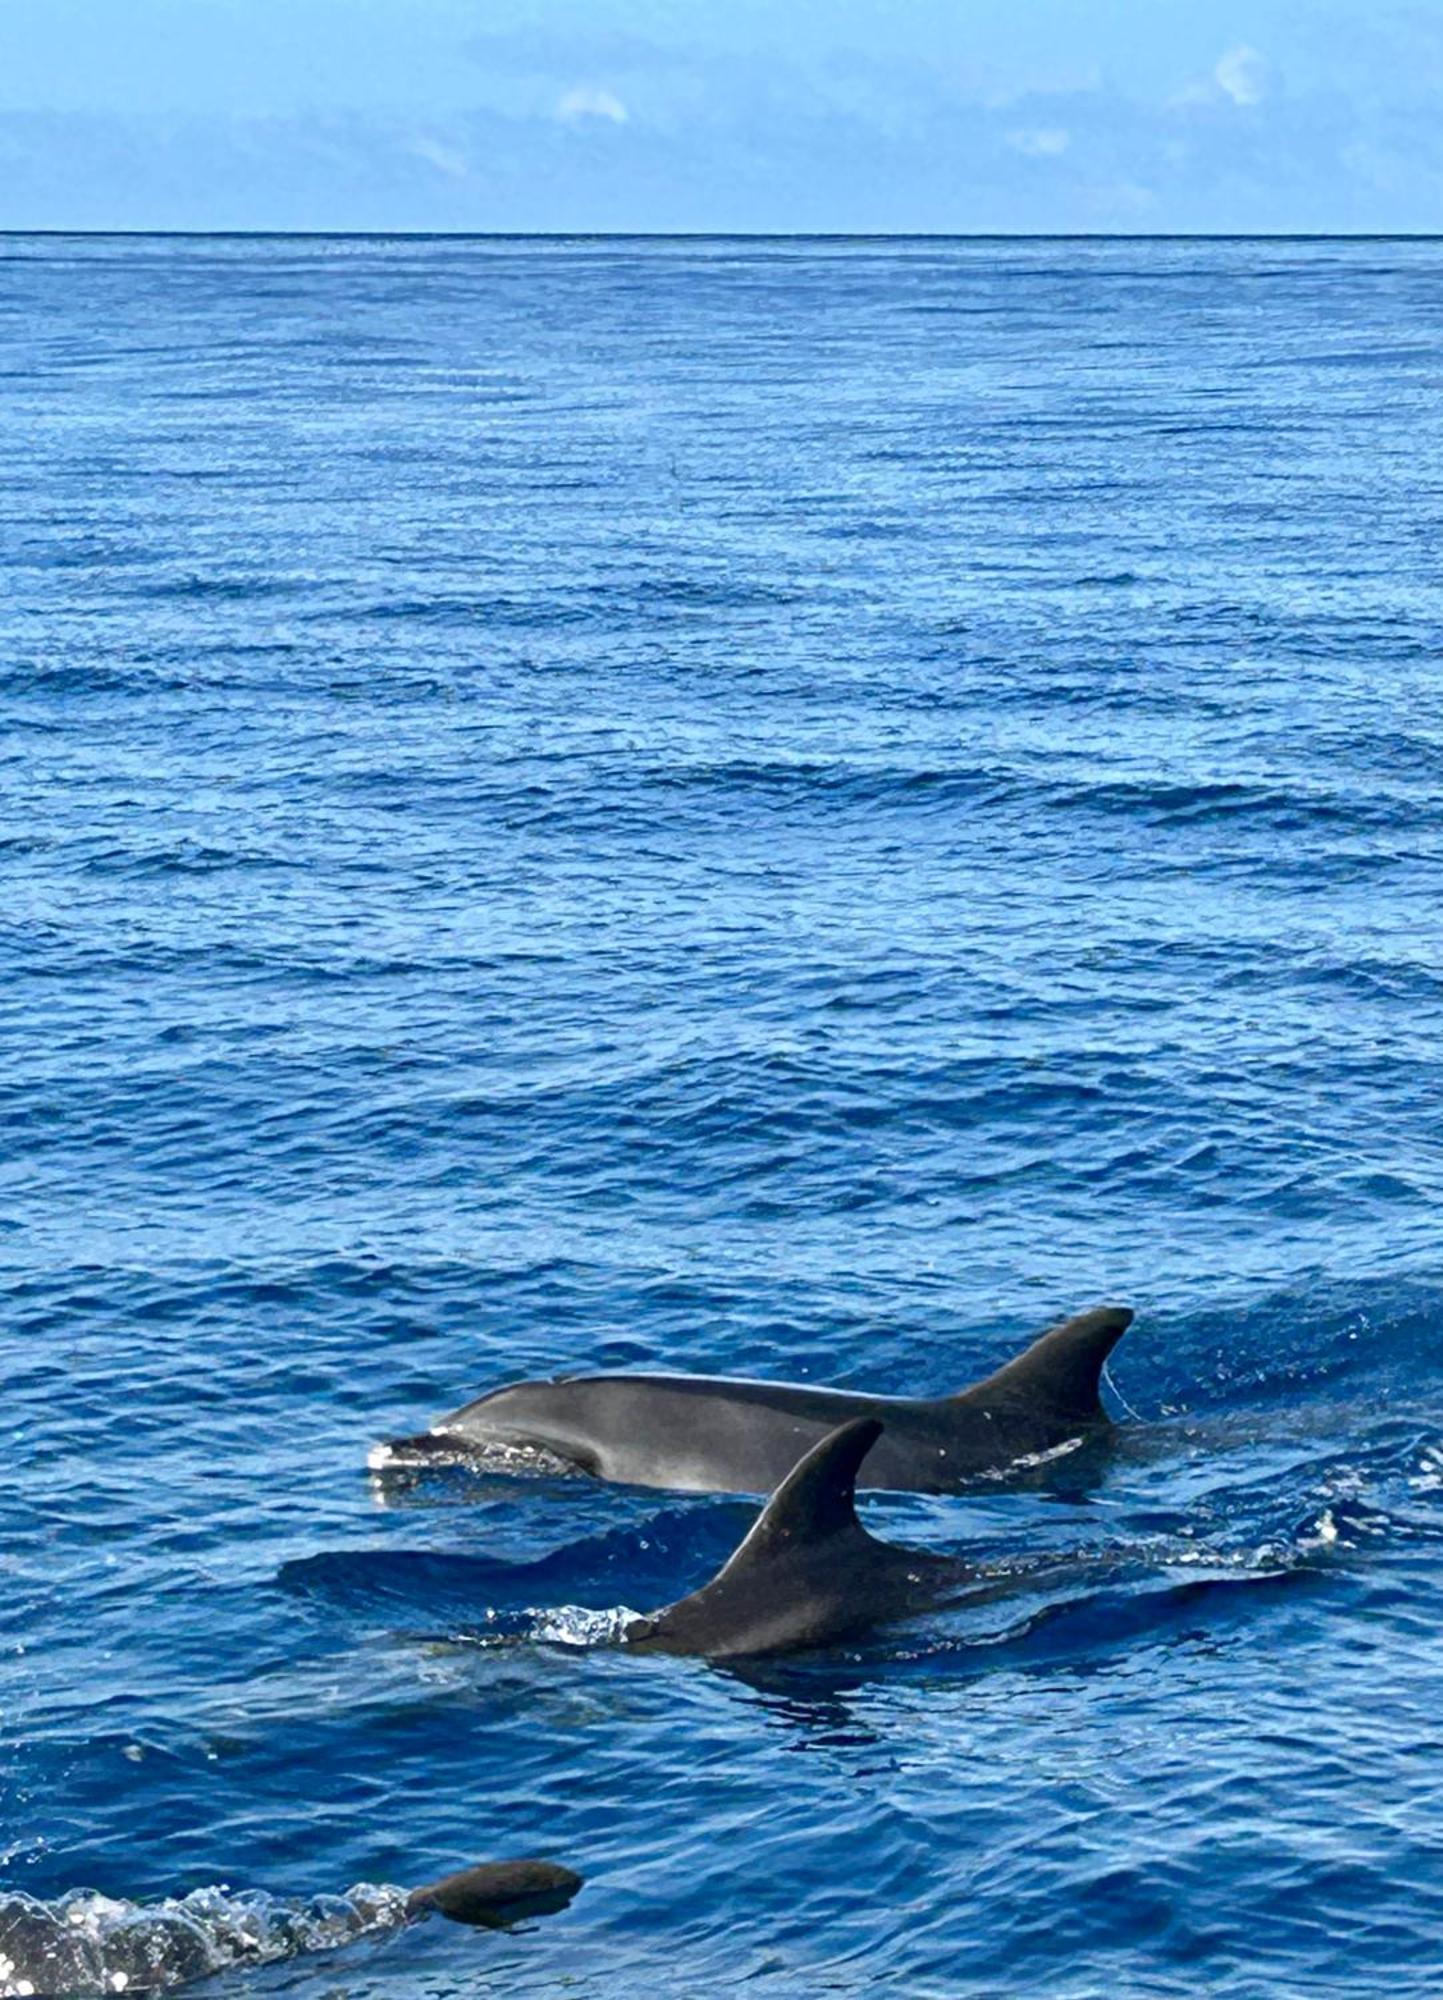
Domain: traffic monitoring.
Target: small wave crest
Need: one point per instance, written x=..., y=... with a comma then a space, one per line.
x=85, y=1943
x=575, y=1625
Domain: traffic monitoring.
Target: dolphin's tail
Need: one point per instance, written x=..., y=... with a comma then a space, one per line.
x=1058, y=1375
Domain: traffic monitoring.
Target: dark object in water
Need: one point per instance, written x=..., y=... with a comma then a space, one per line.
x=87, y=1944
x=497, y=1892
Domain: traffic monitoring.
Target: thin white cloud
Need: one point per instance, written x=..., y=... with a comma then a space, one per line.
x=445, y=159
x=575, y=106
x=1047, y=142
x=1242, y=75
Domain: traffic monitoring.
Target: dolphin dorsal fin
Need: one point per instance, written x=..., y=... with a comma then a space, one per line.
x=817, y=1499
x=1058, y=1374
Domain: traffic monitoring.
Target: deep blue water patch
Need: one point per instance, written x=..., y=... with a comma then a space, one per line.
x=797, y=808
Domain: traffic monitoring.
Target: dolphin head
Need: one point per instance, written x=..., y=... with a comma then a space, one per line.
x=497, y=1892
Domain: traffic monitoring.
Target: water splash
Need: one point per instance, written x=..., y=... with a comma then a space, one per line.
x=575, y=1625
x=85, y=1943
x=404, y=1456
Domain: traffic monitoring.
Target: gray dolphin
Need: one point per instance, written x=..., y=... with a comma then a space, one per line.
x=807, y=1573
x=714, y=1434
x=87, y=1944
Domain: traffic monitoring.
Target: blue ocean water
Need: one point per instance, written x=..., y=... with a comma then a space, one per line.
x=799, y=808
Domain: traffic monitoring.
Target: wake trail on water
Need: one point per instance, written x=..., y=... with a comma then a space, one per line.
x=84, y=1943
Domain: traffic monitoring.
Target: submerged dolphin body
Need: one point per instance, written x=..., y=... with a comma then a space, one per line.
x=807, y=1573
x=713, y=1434
x=87, y=1944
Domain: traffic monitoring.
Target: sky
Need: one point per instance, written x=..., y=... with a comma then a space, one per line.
x=770, y=115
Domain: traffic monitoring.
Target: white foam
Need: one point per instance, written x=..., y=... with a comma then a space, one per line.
x=1325, y=1532
x=495, y=1456
x=1030, y=1461
x=575, y=1625
x=1429, y=1476
x=87, y=1944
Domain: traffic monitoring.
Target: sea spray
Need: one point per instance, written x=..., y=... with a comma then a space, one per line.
x=85, y=1943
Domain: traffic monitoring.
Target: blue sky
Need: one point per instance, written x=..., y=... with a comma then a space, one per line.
x=722, y=114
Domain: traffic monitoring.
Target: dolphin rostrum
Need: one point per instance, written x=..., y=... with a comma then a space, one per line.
x=807, y=1573
x=714, y=1434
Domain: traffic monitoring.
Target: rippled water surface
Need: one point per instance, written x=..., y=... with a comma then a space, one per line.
x=793, y=808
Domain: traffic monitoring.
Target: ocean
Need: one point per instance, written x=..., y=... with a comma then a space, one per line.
x=800, y=808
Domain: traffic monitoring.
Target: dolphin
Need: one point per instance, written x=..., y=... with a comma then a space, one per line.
x=808, y=1571
x=87, y=1944
x=496, y=1892
x=715, y=1434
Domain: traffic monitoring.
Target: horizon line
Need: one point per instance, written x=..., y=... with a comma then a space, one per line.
x=752, y=235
